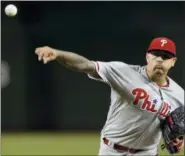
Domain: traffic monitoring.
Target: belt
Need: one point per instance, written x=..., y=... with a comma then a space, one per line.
x=120, y=147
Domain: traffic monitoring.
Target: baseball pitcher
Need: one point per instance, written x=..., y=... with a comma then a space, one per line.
x=142, y=97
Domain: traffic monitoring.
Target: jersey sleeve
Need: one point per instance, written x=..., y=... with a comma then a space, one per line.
x=102, y=70
x=116, y=74
x=179, y=96
x=178, y=93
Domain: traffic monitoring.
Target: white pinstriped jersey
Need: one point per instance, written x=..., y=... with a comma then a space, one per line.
x=137, y=104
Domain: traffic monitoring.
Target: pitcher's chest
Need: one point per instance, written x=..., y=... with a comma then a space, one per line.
x=152, y=100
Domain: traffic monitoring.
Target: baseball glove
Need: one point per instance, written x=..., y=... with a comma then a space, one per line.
x=173, y=127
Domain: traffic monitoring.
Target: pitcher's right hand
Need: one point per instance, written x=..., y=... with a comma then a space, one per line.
x=46, y=54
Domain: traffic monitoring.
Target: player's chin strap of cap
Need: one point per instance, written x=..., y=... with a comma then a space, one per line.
x=157, y=114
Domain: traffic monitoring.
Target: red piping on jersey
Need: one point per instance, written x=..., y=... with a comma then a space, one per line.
x=170, y=120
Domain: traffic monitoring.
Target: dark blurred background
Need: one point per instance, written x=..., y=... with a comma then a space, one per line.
x=38, y=99
x=51, y=97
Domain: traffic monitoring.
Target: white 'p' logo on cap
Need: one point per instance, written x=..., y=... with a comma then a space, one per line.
x=163, y=42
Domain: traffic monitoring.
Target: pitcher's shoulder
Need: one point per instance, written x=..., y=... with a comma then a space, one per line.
x=124, y=64
x=174, y=86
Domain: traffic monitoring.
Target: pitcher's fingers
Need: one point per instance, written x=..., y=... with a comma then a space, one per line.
x=177, y=142
x=46, y=60
x=180, y=144
x=46, y=54
x=37, y=50
x=42, y=54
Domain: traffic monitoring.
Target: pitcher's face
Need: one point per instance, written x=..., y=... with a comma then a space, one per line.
x=160, y=62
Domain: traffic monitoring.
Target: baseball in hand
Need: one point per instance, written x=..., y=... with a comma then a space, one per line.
x=11, y=10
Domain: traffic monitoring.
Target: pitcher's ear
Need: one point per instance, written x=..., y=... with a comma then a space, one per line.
x=147, y=56
x=174, y=61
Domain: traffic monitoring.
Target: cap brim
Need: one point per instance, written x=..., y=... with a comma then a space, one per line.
x=164, y=51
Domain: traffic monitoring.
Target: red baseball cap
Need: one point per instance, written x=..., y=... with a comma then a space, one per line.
x=163, y=43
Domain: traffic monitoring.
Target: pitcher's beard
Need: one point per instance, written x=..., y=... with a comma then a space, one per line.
x=159, y=75
x=159, y=72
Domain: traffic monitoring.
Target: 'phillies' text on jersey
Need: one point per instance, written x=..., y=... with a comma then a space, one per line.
x=148, y=105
